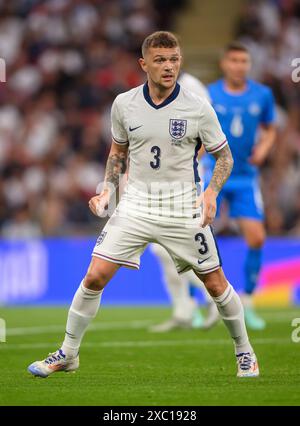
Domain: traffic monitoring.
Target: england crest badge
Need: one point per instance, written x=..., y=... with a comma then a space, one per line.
x=101, y=238
x=177, y=128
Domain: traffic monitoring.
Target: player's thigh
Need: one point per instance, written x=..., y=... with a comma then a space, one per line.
x=253, y=231
x=123, y=240
x=191, y=246
x=99, y=273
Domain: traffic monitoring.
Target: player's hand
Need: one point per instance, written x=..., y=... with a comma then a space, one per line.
x=259, y=155
x=99, y=203
x=209, y=207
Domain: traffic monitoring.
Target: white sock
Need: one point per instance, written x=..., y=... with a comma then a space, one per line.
x=83, y=309
x=231, y=310
x=178, y=289
x=177, y=286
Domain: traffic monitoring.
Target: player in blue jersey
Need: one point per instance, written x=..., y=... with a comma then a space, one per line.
x=245, y=109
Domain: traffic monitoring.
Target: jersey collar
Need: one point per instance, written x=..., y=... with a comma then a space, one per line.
x=236, y=94
x=167, y=101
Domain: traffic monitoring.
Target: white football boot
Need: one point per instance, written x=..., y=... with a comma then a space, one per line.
x=56, y=361
x=247, y=365
x=171, y=324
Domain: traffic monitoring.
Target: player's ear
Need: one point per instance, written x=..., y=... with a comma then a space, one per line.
x=143, y=65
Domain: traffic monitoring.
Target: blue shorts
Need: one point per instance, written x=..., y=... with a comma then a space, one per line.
x=243, y=197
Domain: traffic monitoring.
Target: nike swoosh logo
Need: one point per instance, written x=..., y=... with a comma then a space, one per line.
x=201, y=261
x=131, y=129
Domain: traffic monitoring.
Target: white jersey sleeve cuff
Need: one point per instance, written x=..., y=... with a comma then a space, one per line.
x=119, y=142
x=218, y=147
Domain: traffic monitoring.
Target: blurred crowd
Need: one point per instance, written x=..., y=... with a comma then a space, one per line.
x=271, y=30
x=66, y=61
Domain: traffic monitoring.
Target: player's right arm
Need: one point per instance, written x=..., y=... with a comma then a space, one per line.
x=117, y=160
x=115, y=167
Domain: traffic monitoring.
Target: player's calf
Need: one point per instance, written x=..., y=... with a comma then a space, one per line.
x=231, y=310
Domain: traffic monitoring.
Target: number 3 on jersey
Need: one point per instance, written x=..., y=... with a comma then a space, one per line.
x=155, y=163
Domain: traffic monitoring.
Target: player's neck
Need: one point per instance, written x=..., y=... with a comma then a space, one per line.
x=159, y=94
x=234, y=87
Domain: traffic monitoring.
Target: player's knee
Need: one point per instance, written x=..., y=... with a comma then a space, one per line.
x=215, y=288
x=215, y=283
x=257, y=240
x=96, y=280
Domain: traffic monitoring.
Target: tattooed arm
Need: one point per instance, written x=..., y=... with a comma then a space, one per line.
x=222, y=170
x=115, y=166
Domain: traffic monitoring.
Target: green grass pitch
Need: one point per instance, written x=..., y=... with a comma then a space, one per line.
x=123, y=364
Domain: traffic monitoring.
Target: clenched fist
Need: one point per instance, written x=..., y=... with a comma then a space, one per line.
x=99, y=203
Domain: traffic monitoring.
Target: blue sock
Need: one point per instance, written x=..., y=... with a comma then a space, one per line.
x=252, y=268
x=192, y=290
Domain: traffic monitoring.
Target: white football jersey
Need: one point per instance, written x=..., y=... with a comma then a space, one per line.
x=189, y=82
x=164, y=141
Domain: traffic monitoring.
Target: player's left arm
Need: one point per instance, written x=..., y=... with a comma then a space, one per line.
x=264, y=145
x=267, y=129
x=215, y=143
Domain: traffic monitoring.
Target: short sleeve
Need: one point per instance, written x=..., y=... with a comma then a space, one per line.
x=118, y=131
x=210, y=131
x=268, y=111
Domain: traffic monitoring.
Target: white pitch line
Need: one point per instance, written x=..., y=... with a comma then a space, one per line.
x=147, y=343
x=113, y=325
x=281, y=316
x=126, y=325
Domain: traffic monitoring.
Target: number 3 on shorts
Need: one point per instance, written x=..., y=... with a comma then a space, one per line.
x=203, y=243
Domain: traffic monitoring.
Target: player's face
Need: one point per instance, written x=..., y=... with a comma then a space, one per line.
x=162, y=65
x=235, y=66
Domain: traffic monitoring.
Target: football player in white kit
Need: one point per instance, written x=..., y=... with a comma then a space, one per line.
x=160, y=126
x=185, y=312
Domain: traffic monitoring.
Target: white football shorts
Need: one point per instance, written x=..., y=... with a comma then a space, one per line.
x=124, y=239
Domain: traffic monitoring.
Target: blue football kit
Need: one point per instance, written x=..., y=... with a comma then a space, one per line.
x=240, y=116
